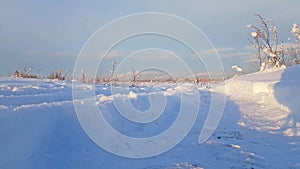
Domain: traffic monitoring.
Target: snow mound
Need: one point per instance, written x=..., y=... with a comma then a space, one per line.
x=269, y=100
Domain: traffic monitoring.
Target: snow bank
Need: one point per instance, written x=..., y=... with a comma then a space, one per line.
x=272, y=99
x=256, y=87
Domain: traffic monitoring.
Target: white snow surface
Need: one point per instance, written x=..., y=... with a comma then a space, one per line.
x=260, y=127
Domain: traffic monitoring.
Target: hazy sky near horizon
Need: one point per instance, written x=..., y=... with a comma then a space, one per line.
x=49, y=34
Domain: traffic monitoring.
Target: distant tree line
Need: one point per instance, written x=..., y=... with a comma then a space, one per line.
x=25, y=73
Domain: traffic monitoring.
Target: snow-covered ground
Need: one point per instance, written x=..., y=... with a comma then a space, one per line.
x=260, y=126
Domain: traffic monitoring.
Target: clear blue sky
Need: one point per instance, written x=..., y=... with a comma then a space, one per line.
x=48, y=34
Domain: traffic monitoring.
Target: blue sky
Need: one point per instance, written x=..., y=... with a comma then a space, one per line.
x=49, y=34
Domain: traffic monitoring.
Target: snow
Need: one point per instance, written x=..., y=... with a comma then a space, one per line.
x=260, y=126
x=132, y=95
x=15, y=89
x=3, y=107
x=296, y=31
x=249, y=26
x=103, y=98
x=268, y=52
x=254, y=34
x=295, y=28
x=236, y=68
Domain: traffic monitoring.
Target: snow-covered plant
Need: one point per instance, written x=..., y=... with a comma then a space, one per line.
x=296, y=31
x=293, y=49
x=83, y=74
x=237, y=68
x=265, y=40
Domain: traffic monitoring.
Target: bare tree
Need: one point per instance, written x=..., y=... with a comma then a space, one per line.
x=134, y=78
x=83, y=75
x=112, y=72
x=264, y=39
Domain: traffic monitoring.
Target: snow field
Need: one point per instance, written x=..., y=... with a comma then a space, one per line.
x=259, y=128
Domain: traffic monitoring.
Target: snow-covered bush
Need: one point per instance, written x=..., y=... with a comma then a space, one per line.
x=264, y=39
x=296, y=31
x=293, y=49
x=270, y=54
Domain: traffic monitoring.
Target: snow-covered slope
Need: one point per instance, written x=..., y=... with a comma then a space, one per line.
x=259, y=128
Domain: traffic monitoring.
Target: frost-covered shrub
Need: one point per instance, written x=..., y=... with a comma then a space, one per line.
x=264, y=39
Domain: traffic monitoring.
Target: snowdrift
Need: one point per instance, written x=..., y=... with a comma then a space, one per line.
x=271, y=99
